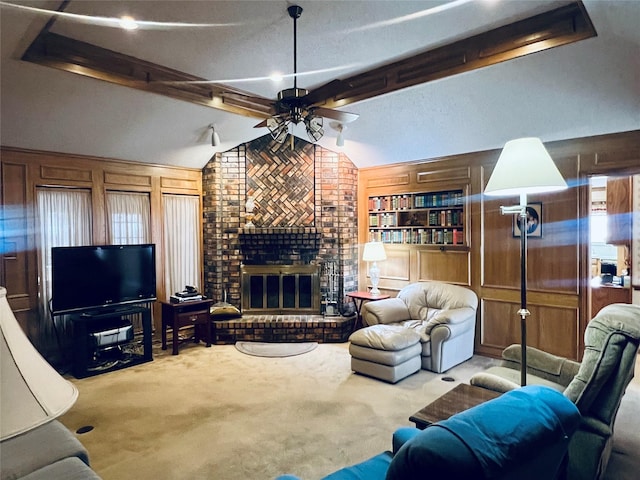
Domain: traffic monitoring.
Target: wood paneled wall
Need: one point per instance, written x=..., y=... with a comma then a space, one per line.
x=23, y=171
x=558, y=262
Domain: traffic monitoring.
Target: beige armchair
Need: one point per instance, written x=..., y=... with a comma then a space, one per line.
x=444, y=316
x=596, y=385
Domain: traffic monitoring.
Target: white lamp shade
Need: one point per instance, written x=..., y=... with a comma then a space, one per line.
x=374, y=252
x=524, y=167
x=32, y=393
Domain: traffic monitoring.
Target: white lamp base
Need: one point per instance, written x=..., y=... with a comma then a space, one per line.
x=374, y=274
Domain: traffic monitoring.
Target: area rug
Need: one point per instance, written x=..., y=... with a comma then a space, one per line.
x=260, y=349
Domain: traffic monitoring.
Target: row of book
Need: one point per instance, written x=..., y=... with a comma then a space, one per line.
x=383, y=220
x=421, y=236
x=441, y=218
x=418, y=200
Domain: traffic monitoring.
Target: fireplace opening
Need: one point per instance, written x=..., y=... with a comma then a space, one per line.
x=280, y=289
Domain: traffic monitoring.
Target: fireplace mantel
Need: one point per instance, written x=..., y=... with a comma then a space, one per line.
x=284, y=245
x=253, y=231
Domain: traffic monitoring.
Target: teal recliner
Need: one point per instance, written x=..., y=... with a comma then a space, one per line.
x=523, y=435
x=596, y=385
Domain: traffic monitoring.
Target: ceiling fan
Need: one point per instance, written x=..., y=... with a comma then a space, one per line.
x=294, y=105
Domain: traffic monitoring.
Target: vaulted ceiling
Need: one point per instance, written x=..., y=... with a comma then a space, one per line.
x=427, y=78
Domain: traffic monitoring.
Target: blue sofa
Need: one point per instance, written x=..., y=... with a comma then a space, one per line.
x=523, y=434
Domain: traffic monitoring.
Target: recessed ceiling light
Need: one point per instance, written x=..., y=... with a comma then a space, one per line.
x=276, y=77
x=128, y=23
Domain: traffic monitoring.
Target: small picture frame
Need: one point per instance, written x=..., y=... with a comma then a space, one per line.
x=534, y=221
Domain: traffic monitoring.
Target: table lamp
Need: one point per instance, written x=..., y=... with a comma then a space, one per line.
x=524, y=167
x=32, y=393
x=374, y=252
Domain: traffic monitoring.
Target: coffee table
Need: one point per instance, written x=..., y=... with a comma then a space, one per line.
x=460, y=398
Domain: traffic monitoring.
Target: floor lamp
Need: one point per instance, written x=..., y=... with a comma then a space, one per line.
x=524, y=167
x=32, y=393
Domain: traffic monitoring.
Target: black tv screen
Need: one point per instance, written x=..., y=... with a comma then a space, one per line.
x=98, y=276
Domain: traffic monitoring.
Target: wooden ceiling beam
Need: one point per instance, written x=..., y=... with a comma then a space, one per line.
x=557, y=27
x=64, y=53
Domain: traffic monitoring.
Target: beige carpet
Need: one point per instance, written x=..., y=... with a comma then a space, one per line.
x=215, y=413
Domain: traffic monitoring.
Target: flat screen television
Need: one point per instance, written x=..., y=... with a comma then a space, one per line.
x=102, y=276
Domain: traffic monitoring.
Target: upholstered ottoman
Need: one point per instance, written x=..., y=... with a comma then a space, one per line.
x=386, y=352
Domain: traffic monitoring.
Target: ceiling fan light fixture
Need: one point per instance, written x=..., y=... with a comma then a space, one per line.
x=314, y=127
x=279, y=128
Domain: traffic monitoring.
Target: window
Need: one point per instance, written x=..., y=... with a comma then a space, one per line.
x=64, y=220
x=182, y=262
x=128, y=218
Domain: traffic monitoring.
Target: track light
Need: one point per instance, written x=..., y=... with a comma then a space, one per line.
x=340, y=140
x=339, y=127
x=215, y=138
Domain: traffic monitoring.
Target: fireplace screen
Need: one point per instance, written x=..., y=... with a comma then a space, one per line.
x=280, y=289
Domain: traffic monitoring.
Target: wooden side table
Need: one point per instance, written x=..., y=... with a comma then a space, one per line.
x=460, y=398
x=358, y=299
x=191, y=313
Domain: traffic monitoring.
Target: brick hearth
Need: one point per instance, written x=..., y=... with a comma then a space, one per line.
x=283, y=328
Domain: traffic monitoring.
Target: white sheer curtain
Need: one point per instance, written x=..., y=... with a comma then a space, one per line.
x=182, y=263
x=128, y=219
x=64, y=220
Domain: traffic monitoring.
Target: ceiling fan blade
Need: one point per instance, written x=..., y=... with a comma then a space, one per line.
x=324, y=92
x=342, y=117
x=261, y=124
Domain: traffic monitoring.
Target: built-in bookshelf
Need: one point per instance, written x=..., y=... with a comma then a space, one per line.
x=424, y=218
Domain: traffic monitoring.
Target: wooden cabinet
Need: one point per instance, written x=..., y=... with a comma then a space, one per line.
x=606, y=295
x=424, y=218
x=619, y=210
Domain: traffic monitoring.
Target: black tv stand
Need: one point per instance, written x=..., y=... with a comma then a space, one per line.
x=111, y=311
x=103, y=340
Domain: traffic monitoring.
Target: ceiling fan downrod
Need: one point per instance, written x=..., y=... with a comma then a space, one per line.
x=294, y=12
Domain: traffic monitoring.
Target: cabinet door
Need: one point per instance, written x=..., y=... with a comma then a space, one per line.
x=619, y=210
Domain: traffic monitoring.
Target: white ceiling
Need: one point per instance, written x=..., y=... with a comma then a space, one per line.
x=587, y=88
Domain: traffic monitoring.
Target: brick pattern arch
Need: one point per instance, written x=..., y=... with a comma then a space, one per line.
x=281, y=181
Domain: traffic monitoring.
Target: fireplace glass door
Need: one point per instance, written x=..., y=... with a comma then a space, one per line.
x=280, y=289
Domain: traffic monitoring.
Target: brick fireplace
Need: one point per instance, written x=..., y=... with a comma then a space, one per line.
x=305, y=215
